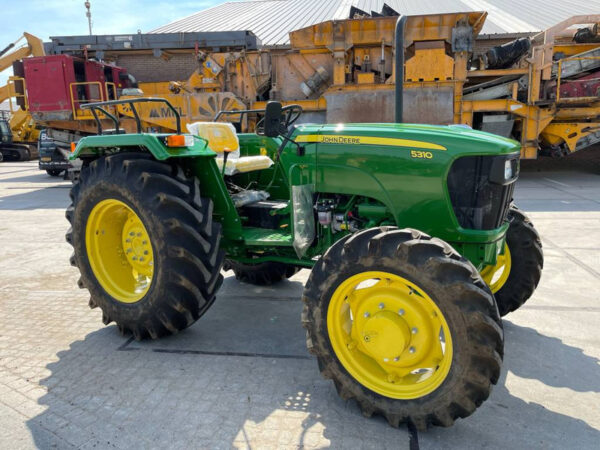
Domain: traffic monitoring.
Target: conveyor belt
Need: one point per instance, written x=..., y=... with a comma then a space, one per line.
x=570, y=67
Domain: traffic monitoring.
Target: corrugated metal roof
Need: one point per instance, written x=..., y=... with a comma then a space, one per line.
x=272, y=20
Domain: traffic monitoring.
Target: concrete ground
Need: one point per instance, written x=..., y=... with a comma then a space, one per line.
x=241, y=376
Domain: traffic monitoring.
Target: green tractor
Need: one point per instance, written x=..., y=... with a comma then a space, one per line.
x=414, y=246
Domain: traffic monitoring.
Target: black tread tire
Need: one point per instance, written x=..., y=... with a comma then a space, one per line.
x=24, y=154
x=53, y=172
x=262, y=274
x=527, y=262
x=458, y=290
x=188, y=260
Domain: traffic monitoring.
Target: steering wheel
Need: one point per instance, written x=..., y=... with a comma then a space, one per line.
x=289, y=115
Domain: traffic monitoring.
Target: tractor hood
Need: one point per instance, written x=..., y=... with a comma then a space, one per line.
x=452, y=138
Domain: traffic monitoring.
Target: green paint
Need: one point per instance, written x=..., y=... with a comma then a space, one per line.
x=155, y=143
x=387, y=183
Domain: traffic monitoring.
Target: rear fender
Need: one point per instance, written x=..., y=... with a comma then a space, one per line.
x=96, y=146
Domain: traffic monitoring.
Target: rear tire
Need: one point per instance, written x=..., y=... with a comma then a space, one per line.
x=184, y=242
x=527, y=262
x=261, y=274
x=53, y=172
x=447, y=280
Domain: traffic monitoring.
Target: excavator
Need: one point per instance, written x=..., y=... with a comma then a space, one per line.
x=18, y=131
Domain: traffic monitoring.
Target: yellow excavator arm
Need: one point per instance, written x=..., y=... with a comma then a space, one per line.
x=34, y=47
x=21, y=123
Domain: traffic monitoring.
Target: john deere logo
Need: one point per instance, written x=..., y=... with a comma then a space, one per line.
x=340, y=140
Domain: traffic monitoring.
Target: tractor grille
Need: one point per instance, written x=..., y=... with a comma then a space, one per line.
x=480, y=198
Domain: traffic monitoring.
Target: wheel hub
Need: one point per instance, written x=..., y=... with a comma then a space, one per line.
x=136, y=244
x=497, y=275
x=119, y=250
x=379, y=331
x=389, y=334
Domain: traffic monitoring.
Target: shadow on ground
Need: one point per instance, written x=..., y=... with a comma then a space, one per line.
x=55, y=197
x=508, y=421
x=102, y=393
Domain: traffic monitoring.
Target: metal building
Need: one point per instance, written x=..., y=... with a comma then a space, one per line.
x=272, y=20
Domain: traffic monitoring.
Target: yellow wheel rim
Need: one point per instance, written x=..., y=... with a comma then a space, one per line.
x=496, y=276
x=389, y=335
x=119, y=250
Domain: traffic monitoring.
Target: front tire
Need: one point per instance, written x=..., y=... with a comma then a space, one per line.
x=523, y=262
x=145, y=244
x=418, y=340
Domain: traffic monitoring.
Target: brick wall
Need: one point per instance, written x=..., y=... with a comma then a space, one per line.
x=148, y=68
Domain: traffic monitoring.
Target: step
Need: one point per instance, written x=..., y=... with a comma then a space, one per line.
x=267, y=237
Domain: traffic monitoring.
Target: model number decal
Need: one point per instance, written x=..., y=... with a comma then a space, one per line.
x=421, y=154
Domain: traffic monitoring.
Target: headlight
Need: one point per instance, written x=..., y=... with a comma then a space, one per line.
x=504, y=169
x=508, y=169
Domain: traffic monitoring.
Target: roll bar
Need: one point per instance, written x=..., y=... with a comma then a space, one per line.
x=99, y=107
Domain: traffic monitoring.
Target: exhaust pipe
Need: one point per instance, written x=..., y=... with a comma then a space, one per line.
x=399, y=71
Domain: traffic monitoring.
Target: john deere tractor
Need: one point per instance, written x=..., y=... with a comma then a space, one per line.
x=414, y=246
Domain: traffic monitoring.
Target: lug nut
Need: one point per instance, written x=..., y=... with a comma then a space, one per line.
x=412, y=350
x=401, y=312
x=366, y=314
x=139, y=234
x=131, y=233
x=127, y=240
x=397, y=358
x=134, y=258
x=145, y=252
x=144, y=242
x=381, y=306
x=129, y=250
x=141, y=258
x=415, y=330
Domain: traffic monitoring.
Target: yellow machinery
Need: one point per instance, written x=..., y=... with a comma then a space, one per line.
x=23, y=129
x=543, y=118
x=223, y=81
x=343, y=71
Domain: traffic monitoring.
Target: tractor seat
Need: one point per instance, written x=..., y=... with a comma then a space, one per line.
x=221, y=137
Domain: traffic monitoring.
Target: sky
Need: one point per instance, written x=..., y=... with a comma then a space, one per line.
x=45, y=18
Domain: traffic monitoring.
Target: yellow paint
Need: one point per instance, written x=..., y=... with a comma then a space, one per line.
x=366, y=140
x=430, y=63
x=389, y=335
x=568, y=132
x=365, y=77
x=496, y=276
x=119, y=251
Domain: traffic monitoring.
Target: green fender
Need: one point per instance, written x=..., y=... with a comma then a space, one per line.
x=154, y=143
